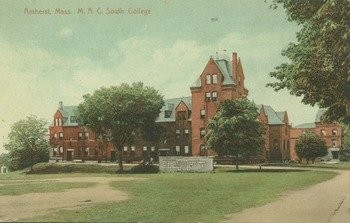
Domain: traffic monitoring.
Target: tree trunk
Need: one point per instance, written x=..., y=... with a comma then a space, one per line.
x=120, y=159
x=236, y=161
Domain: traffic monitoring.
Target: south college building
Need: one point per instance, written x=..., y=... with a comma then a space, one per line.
x=185, y=121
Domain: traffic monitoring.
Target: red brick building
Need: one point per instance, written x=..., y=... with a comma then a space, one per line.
x=221, y=79
x=332, y=133
x=185, y=120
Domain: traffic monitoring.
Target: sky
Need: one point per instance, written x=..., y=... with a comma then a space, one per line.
x=84, y=45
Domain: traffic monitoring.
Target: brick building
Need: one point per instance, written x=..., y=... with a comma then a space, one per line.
x=332, y=133
x=185, y=120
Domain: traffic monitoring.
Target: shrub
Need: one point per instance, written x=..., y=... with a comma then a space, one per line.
x=145, y=169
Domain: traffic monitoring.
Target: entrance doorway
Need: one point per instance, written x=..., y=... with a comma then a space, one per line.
x=69, y=155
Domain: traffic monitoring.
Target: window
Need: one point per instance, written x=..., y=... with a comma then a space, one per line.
x=334, y=132
x=80, y=135
x=125, y=148
x=202, y=113
x=145, y=148
x=86, y=135
x=208, y=79
x=202, y=131
x=61, y=149
x=55, y=136
x=214, y=79
x=177, y=131
x=73, y=119
x=167, y=114
x=153, y=148
x=177, y=149
x=186, y=131
x=61, y=135
x=87, y=151
x=334, y=143
x=132, y=148
x=59, y=122
x=323, y=132
x=56, y=121
x=207, y=96
x=186, y=150
x=214, y=96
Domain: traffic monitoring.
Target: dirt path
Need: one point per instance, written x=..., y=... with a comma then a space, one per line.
x=32, y=204
x=326, y=202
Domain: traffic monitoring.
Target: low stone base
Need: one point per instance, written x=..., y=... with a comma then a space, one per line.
x=171, y=164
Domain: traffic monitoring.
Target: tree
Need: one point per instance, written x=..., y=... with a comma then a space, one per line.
x=310, y=146
x=318, y=67
x=345, y=152
x=4, y=159
x=117, y=113
x=28, y=143
x=235, y=131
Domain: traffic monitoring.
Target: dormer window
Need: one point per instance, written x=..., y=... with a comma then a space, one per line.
x=214, y=78
x=208, y=79
x=211, y=78
x=167, y=114
x=73, y=119
x=59, y=122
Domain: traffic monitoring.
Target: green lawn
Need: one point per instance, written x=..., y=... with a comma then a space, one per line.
x=205, y=197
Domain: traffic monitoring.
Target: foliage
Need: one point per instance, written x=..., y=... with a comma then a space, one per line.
x=235, y=130
x=190, y=194
x=310, y=146
x=145, y=169
x=117, y=113
x=28, y=143
x=345, y=152
x=4, y=159
x=318, y=67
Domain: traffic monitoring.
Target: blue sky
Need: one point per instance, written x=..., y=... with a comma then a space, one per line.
x=45, y=59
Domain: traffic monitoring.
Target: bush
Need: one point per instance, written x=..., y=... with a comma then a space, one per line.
x=142, y=168
x=45, y=168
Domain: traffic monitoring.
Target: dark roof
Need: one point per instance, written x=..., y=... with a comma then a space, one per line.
x=225, y=66
x=272, y=117
x=67, y=112
x=319, y=114
x=170, y=105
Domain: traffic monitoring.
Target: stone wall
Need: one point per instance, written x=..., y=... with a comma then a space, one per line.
x=169, y=164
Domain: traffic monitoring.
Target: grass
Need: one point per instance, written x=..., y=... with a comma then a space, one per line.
x=19, y=188
x=340, y=165
x=205, y=197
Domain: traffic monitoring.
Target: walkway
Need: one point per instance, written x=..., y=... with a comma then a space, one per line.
x=327, y=202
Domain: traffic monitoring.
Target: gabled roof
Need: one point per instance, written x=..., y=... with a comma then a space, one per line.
x=305, y=126
x=272, y=116
x=67, y=112
x=281, y=115
x=319, y=114
x=170, y=106
x=225, y=67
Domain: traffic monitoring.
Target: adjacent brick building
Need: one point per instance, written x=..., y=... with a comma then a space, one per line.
x=332, y=133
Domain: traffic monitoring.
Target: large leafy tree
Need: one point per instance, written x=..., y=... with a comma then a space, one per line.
x=28, y=143
x=118, y=113
x=318, y=67
x=345, y=152
x=310, y=146
x=235, y=130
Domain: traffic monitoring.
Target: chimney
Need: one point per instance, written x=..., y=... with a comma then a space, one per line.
x=234, y=65
x=60, y=105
